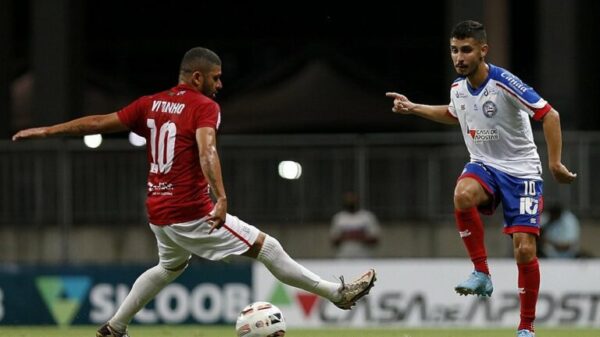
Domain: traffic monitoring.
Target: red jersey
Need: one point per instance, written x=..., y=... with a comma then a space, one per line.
x=177, y=188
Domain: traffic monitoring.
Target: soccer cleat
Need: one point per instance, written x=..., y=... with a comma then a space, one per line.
x=355, y=290
x=525, y=333
x=108, y=331
x=478, y=283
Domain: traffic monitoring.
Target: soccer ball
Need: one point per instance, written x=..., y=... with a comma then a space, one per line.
x=260, y=319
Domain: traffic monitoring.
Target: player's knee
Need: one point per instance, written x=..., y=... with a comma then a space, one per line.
x=525, y=252
x=464, y=198
x=256, y=247
x=274, y=257
x=174, y=266
x=272, y=245
x=271, y=251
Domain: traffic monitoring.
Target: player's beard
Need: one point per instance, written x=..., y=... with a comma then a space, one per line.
x=463, y=71
x=468, y=70
x=209, y=92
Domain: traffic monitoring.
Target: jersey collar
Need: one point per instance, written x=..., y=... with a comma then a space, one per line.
x=476, y=91
x=184, y=86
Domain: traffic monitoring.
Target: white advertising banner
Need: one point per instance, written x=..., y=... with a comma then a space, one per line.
x=420, y=293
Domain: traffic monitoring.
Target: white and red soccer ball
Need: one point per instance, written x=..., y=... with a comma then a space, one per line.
x=260, y=319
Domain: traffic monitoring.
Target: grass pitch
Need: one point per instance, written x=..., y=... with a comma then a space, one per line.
x=212, y=331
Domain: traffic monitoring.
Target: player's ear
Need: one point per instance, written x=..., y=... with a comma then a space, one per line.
x=484, y=50
x=197, y=78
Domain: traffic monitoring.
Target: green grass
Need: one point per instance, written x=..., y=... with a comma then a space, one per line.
x=211, y=331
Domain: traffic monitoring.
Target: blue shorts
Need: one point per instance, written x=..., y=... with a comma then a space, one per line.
x=521, y=199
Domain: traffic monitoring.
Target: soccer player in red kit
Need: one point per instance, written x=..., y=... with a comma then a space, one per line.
x=180, y=126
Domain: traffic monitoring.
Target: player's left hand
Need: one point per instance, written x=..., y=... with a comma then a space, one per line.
x=216, y=218
x=562, y=174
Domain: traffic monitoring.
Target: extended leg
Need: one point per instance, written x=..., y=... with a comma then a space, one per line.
x=290, y=272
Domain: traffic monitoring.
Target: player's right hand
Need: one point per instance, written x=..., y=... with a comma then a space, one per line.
x=401, y=104
x=30, y=133
x=216, y=218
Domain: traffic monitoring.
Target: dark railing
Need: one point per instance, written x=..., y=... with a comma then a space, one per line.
x=407, y=176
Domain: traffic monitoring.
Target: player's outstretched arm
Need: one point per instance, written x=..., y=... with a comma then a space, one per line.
x=78, y=127
x=553, y=135
x=436, y=113
x=206, y=139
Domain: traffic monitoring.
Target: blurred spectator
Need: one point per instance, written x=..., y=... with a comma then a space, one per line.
x=560, y=233
x=354, y=231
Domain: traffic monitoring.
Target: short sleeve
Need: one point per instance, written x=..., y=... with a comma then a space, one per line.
x=132, y=114
x=523, y=96
x=451, y=108
x=208, y=115
x=536, y=109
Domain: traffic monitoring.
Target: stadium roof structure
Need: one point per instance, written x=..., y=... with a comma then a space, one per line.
x=313, y=95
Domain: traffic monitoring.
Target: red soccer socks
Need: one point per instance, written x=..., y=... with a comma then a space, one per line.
x=529, y=286
x=470, y=229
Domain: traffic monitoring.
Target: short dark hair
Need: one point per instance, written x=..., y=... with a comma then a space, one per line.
x=198, y=58
x=469, y=28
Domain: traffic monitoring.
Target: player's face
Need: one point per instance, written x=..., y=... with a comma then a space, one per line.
x=467, y=54
x=212, y=82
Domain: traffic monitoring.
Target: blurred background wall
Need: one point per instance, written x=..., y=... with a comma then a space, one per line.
x=301, y=82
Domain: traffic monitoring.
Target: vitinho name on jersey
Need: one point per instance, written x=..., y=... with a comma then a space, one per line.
x=167, y=107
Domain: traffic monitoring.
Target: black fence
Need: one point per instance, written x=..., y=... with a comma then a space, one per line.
x=398, y=176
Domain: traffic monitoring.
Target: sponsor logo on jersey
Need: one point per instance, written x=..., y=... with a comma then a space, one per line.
x=465, y=233
x=161, y=188
x=489, y=109
x=489, y=91
x=484, y=135
x=460, y=94
x=514, y=82
x=167, y=107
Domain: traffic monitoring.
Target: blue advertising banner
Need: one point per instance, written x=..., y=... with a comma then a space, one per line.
x=206, y=293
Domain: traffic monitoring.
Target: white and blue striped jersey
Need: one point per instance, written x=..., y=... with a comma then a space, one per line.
x=494, y=119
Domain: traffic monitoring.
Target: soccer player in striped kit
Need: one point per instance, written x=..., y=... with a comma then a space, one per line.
x=493, y=108
x=180, y=126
